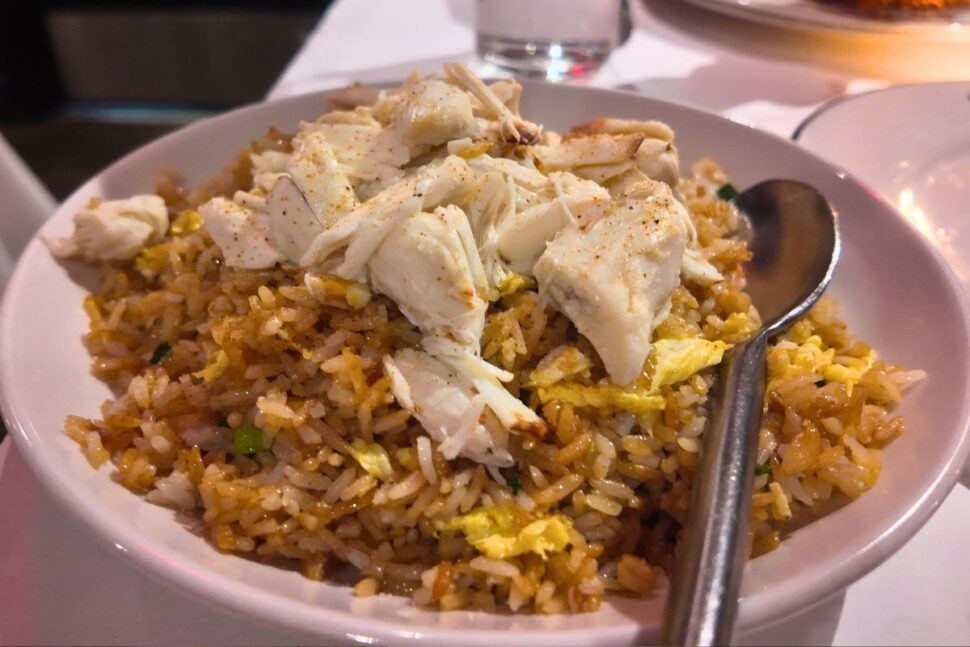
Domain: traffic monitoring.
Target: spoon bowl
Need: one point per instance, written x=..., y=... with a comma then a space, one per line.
x=794, y=238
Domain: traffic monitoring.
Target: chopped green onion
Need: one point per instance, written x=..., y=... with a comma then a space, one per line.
x=161, y=352
x=761, y=470
x=515, y=482
x=248, y=440
x=727, y=192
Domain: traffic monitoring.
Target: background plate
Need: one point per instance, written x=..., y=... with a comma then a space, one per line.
x=924, y=171
x=947, y=24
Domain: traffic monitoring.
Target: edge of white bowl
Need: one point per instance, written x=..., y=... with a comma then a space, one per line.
x=162, y=564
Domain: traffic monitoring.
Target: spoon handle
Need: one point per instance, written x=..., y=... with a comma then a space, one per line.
x=703, y=600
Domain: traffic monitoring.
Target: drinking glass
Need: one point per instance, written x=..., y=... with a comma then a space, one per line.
x=555, y=39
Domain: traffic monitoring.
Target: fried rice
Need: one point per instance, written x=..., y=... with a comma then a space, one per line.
x=259, y=404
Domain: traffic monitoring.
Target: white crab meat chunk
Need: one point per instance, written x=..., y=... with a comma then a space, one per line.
x=320, y=177
x=526, y=177
x=350, y=143
x=698, y=269
x=636, y=186
x=114, y=230
x=459, y=399
x=292, y=223
x=487, y=381
x=509, y=92
x=628, y=183
x=432, y=113
x=515, y=210
x=442, y=290
x=241, y=233
x=360, y=115
x=523, y=237
x=447, y=406
x=656, y=156
x=353, y=96
x=613, y=278
x=589, y=150
x=358, y=235
x=658, y=159
x=510, y=126
x=600, y=156
x=268, y=166
x=414, y=225
x=366, y=152
x=490, y=201
x=609, y=125
x=269, y=161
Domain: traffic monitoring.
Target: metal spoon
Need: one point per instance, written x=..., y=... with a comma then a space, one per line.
x=794, y=239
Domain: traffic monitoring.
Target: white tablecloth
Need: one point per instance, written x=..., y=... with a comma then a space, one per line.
x=58, y=585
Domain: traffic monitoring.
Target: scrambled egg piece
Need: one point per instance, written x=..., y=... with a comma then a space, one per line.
x=186, y=222
x=809, y=358
x=779, y=501
x=152, y=259
x=508, y=530
x=563, y=362
x=304, y=352
x=329, y=288
x=513, y=283
x=215, y=368
x=407, y=457
x=813, y=357
x=849, y=375
x=637, y=400
x=739, y=323
x=373, y=458
x=675, y=360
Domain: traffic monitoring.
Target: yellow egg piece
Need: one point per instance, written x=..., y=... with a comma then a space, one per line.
x=675, y=360
x=812, y=357
x=373, y=458
x=850, y=375
x=563, y=362
x=215, y=368
x=513, y=283
x=152, y=259
x=636, y=400
x=507, y=530
x=186, y=222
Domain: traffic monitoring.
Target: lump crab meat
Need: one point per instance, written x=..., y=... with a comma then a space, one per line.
x=447, y=407
x=114, y=230
x=613, y=277
x=606, y=148
x=443, y=288
x=242, y=234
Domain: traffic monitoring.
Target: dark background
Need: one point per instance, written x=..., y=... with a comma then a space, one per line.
x=82, y=83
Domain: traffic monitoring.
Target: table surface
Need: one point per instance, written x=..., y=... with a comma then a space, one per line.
x=59, y=585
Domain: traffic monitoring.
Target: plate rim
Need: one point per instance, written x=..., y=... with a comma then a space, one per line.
x=753, y=11
x=312, y=619
x=835, y=102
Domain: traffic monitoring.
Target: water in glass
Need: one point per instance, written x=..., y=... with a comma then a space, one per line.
x=554, y=39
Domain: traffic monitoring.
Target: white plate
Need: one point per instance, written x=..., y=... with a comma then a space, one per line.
x=952, y=24
x=911, y=143
x=44, y=376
